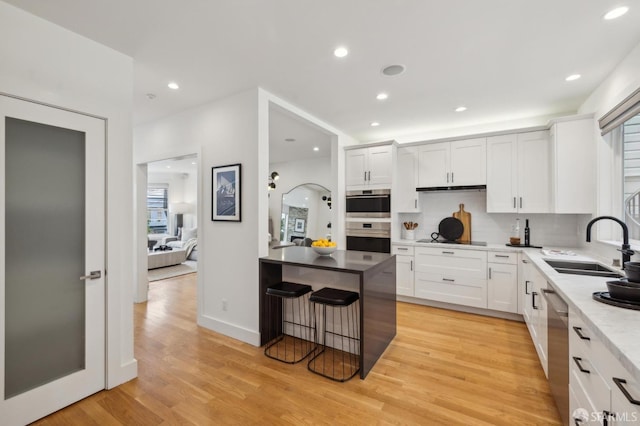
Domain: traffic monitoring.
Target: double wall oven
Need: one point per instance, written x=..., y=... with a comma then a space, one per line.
x=369, y=220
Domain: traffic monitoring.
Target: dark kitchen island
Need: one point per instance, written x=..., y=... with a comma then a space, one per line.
x=373, y=275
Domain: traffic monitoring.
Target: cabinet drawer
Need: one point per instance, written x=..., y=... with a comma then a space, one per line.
x=402, y=250
x=462, y=293
x=459, y=265
x=502, y=257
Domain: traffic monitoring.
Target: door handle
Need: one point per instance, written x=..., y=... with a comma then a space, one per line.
x=93, y=275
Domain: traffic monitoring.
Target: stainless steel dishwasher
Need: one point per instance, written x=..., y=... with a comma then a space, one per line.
x=558, y=357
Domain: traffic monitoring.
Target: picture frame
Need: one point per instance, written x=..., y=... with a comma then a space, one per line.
x=226, y=191
x=299, y=225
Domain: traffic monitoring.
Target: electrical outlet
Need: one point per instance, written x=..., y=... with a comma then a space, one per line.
x=225, y=304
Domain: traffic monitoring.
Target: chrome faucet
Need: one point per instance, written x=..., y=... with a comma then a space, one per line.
x=626, y=248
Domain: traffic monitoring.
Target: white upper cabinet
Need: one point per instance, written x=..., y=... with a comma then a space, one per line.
x=369, y=166
x=573, y=183
x=518, y=173
x=405, y=197
x=457, y=163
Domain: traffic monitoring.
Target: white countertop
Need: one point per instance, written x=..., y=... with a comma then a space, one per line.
x=618, y=328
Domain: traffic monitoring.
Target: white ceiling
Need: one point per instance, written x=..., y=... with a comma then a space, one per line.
x=283, y=126
x=503, y=59
x=186, y=164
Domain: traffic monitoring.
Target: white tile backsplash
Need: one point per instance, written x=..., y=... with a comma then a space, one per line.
x=550, y=230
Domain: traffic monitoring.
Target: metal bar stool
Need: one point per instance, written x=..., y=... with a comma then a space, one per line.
x=339, y=358
x=294, y=332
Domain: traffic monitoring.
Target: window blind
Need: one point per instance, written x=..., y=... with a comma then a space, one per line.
x=620, y=113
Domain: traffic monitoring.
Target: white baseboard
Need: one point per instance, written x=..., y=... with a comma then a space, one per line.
x=251, y=337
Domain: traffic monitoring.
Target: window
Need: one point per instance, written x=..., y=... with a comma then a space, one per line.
x=630, y=135
x=157, y=210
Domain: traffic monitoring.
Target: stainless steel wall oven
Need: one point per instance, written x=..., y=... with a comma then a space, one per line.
x=369, y=236
x=369, y=203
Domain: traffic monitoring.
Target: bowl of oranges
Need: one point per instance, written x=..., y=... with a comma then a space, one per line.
x=324, y=246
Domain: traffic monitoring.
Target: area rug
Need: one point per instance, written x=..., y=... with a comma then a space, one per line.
x=186, y=267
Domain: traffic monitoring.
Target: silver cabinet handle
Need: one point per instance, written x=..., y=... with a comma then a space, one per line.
x=369, y=175
x=524, y=261
x=489, y=273
x=503, y=255
x=520, y=202
x=365, y=176
x=451, y=177
x=514, y=202
x=447, y=177
x=402, y=248
x=411, y=267
x=93, y=275
x=415, y=204
x=447, y=252
x=449, y=280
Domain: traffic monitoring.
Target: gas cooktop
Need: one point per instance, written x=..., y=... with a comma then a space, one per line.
x=465, y=243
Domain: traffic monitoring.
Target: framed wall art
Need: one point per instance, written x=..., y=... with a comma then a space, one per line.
x=226, y=190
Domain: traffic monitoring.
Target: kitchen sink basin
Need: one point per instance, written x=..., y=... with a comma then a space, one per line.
x=583, y=268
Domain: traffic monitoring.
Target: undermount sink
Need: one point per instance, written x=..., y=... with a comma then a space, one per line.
x=583, y=268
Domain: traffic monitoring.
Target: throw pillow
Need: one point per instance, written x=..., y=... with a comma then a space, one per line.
x=189, y=233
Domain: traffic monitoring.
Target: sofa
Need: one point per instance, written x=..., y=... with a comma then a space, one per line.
x=181, y=249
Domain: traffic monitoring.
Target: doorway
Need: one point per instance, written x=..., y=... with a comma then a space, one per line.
x=52, y=257
x=169, y=203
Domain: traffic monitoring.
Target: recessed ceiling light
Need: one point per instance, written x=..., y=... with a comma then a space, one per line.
x=193, y=162
x=382, y=96
x=375, y=124
x=289, y=140
x=573, y=77
x=616, y=13
x=341, y=52
x=315, y=148
x=461, y=108
x=392, y=70
x=168, y=167
x=173, y=85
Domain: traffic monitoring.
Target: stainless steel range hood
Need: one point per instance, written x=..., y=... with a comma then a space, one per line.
x=453, y=188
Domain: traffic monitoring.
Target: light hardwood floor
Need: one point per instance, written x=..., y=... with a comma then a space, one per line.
x=443, y=368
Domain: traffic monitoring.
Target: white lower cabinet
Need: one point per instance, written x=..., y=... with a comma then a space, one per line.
x=502, y=285
x=451, y=276
x=601, y=390
x=404, y=269
x=534, y=310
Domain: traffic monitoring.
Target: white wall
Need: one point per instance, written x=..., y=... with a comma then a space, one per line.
x=222, y=132
x=622, y=81
x=48, y=64
x=182, y=189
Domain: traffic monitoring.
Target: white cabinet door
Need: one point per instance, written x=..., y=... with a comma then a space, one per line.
x=356, y=164
x=573, y=177
x=404, y=275
x=502, y=290
x=534, y=190
x=433, y=163
x=469, y=162
x=502, y=177
x=380, y=165
x=405, y=195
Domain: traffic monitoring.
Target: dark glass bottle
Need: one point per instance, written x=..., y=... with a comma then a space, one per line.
x=527, y=233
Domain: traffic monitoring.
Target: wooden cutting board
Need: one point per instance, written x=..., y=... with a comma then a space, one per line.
x=465, y=218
